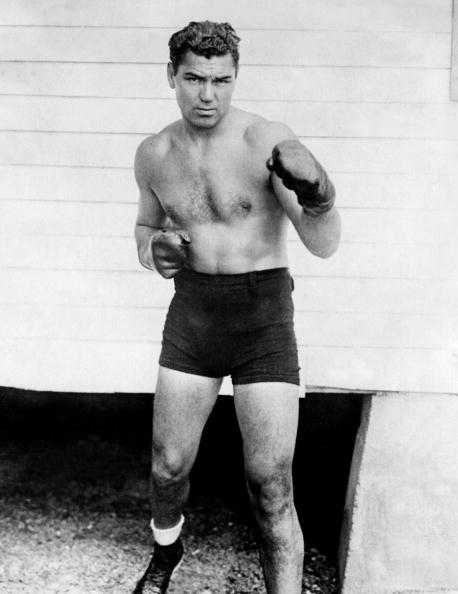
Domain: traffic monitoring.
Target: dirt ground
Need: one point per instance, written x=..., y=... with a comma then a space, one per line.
x=74, y=515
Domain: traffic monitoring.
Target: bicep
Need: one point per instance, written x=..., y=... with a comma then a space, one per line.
x=150, y=212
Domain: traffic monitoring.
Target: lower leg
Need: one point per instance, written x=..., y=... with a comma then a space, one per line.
x=268, y=417
x=282, y=554
x=281, y=546
x=169, y=491
x=167, y=503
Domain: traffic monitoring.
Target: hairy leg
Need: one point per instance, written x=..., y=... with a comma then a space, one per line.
x=182, y=404
x=268, y=417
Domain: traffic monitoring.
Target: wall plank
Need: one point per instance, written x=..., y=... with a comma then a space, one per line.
x=72, y=184
x=377, y=260
x=149, y=290
x=70, y=366
x=406, y=370
x=118, y=254
x=317, y=329
x=67, y=218
x=85, y=288
x=420, y=191
x=319, y=119
x=365, y=155
x=291, y=83
x=69, y=252
x=96, y=367
x=391, y=15
x=300, y=48
x=454, y=67
x=104, y=219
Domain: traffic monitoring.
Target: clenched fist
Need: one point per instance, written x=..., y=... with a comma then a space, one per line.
x=301, y=172
x=170, y=251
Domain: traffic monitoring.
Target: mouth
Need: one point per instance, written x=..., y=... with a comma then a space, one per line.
x=206, y=111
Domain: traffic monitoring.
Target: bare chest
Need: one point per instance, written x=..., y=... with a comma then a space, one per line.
x=221, y=189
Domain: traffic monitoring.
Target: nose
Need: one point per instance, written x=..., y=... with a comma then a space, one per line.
x=206, y=91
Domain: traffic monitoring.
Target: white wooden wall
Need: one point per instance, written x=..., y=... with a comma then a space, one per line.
x=365, y=83
x=454, y=80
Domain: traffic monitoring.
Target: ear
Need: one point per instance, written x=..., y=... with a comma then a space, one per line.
x=170, y=75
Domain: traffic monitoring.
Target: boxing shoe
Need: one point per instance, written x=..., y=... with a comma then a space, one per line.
x=161, y=569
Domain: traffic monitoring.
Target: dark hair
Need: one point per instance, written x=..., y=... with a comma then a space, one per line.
x=204, y=39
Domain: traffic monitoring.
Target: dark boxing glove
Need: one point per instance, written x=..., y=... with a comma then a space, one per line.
x=300, y=171
x=170, y=251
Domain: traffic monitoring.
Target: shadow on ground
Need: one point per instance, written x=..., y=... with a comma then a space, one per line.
x=74, y=496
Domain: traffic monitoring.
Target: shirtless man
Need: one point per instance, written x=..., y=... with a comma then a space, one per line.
x=217, y=190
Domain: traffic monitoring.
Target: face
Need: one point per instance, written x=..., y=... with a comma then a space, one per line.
x=203, y=88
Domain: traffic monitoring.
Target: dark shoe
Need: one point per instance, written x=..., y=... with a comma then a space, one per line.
x=163, y=564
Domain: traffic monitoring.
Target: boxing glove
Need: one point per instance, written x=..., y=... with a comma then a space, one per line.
x=170, y=251
x=300, y=171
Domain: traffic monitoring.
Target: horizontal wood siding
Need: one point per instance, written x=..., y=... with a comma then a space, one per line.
x=360, y=15
x=366, y=85
x=426, y=121
x=143, y=46
x=454, y=77
x=290, y=83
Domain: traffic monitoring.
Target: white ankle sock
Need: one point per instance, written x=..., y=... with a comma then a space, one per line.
x=167, y=536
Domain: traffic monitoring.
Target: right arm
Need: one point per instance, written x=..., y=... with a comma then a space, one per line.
x=164, y=250
x=150, y=217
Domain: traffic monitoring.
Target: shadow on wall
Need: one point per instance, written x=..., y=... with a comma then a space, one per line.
x=327, y=430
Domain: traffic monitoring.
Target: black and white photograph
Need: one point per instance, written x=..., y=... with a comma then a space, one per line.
x=229, y=297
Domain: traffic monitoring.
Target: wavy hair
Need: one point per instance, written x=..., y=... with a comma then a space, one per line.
x=206, y=39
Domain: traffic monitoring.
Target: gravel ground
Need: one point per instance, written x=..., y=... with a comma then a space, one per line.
x=74, y=520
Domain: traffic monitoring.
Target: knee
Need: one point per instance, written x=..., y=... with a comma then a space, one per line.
x=168, y=468
x=271, y=494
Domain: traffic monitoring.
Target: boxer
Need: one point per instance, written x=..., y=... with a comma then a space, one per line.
x=218, y=189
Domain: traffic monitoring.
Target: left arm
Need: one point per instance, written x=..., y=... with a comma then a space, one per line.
x=319, y=233
x=307, y=195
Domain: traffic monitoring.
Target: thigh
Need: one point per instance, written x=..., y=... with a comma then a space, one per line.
x=268, y=417
x=182, y=404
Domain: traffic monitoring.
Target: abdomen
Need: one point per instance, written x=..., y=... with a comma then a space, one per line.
x=242, y=246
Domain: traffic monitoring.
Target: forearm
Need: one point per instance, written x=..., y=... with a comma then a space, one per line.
x=161, y=249
x=144, y=235
x=318, y=197
x=312, y=211
x=319, y=233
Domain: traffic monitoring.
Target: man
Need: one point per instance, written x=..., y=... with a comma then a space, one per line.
x=217, y=189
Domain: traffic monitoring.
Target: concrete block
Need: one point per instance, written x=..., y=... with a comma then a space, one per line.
x=400, y=529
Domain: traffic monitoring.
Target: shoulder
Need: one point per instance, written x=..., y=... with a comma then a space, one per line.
x=152, y=150
x=265, y=133
x=146, y=157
